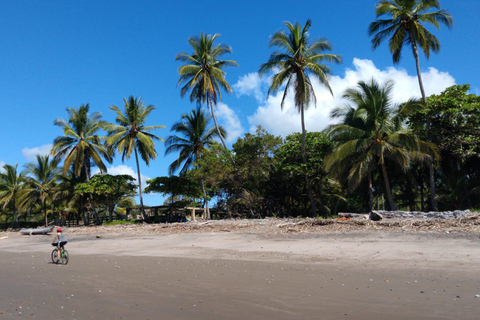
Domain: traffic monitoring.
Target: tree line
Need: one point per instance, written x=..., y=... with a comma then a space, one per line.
x=420, y=154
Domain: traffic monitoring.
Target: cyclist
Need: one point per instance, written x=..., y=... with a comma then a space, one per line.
x=61, y=240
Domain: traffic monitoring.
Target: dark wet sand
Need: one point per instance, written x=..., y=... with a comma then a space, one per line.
x=258, y=286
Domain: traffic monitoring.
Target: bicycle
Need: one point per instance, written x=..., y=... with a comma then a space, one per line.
x=63, y=259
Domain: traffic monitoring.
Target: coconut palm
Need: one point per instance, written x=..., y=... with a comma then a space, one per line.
x=130, y=135
x=80, y=143
x=42, y=182
x=300, y=58
x=66, y=198
x=203, y=75
x=197, y=137
x=370, y=133
x=405, y=27
x=12, y=183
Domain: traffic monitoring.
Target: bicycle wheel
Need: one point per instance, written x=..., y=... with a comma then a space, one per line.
x=64, y=256
x=55, y=256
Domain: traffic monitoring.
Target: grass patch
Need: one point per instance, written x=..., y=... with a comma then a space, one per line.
x=120, y=222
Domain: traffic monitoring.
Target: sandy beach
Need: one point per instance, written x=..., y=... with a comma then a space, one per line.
x=141, y=272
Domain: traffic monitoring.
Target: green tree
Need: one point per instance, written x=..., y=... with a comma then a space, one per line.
x=203, y=75
x=299, y=60
x=288, y=177
x=12, y=184
x=130, y=135
x=66, y=199
x=455, y=123
x=42, y=179
x=197, y=138
x=80, y=143
x=175, y=186
x=370, y=133
x=107, y=190
x=406, y=27
x=254, y=155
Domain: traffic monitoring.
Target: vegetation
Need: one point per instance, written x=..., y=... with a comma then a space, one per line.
x=299, y=60
x=197, y=138
x=376, y=156
x=406, y=26
x=131, y=135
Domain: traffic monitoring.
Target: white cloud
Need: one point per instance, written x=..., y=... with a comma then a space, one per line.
x=251, y=85
x=229, y=120
x=1, y=166
x=31, y=153
x=123, y=169
x=283, y=122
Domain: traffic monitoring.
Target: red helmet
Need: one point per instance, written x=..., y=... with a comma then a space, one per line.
x=59, y=230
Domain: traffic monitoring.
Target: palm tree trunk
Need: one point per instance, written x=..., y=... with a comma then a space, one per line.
x=206, y=200
x=144, y=216
x=387, y=188
x=216, y=124
x=431, y=170
x=304, y=158
x=15, y=217
x=45, y=213
x=370, y=192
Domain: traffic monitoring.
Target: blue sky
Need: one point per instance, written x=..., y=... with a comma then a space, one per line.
x=59, y=54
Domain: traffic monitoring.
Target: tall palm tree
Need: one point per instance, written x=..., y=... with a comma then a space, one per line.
x=80, y=143
x=371, y=132
x=197, y=137
x=41, y=185
x=203, y=75
x=405, y=27
x=131, y=135
x=300, y=59
x=12, y=183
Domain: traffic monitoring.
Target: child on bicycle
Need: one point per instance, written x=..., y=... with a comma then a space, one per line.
x=61, y=240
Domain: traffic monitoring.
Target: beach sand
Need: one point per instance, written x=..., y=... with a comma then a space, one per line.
x=360, y=274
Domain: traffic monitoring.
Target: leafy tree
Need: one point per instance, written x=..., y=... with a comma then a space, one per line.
x=254, y=155
x=175, y=186
x=42, y=183
x=80, y=143
x=203, y=75
x=131, y=135
x=197, y=137
x=455, y=123
x=288, y=178
x=300, y=60
x=370, y=133
x=12, y=184
x=406, y=27
x=216, y=169
x=107, y=190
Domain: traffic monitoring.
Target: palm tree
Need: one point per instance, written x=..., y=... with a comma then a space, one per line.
x=131, y=135
x=66, y=198
x=12, y=184
x=80, y=143
x=197, y=138
x=41, y=185
x=371, y=132
x=406, y=27
x=203, y=75
x=299, y=60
